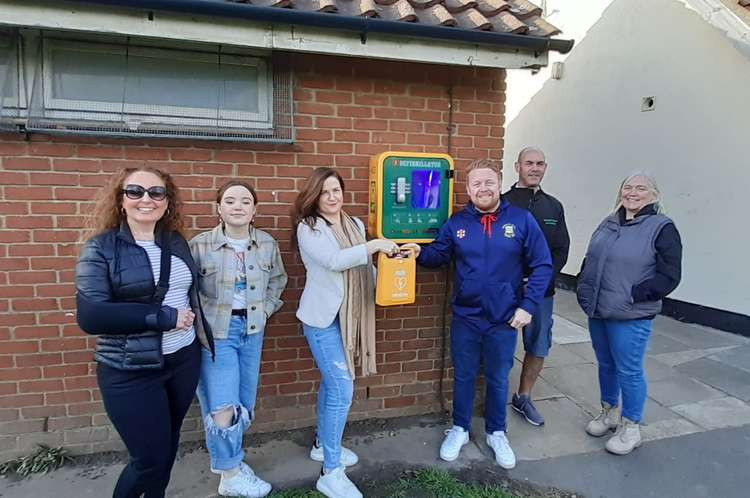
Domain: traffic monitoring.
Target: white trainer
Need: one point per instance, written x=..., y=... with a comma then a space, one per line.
x=335, y=484
x=455, y=439
x=504, y=455
x=348, y=457
x=244, y=484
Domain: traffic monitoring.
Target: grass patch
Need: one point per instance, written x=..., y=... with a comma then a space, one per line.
x=43, y=460
x=434, y=483
x=425, y=483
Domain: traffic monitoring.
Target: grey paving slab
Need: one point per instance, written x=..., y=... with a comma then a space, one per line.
x=680, y=357
x=660, y=343
x=565, y=331
x=584, y=350
x=562, y=434
x=653, y=412
x=671, y=427
x=680, y=390
x=656, y=370
x=704, y=465
x=578, y=382
x=695, y=336
x=716, y=413
x=738, y=357
x=733, y=381
x=559, y=356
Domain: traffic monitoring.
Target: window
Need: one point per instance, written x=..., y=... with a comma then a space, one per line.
x=8, y=81
x=130, y=87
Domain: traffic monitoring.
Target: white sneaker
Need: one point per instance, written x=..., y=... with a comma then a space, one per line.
x=504, y=455
x=244, y=484
x=348, y=457
x=335, y=484
x=455, y=439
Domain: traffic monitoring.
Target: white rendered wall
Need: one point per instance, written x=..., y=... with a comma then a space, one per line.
x=696, y=141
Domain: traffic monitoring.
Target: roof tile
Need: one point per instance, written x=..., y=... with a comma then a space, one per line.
x=503, y=16
x=540, y=27
x=490, y=8
x=472, y=19
x=455, y=6
x=401, y=10
x=435, y=15
x=359, y=8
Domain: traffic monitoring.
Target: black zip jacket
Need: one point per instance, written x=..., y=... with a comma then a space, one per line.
x=550, y=215
x=115, y=300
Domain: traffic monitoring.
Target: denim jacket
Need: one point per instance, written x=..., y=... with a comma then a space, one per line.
x=266, y=278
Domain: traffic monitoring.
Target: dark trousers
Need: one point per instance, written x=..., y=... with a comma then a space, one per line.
x=471, y=345
x=147, y=408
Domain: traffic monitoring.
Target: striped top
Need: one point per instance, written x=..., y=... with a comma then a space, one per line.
x=180, y=281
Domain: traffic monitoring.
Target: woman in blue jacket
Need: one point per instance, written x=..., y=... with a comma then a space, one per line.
x=633, y=261
x=135, y=290
x=337, y=311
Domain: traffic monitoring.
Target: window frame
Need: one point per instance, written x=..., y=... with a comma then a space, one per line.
x=95, y=111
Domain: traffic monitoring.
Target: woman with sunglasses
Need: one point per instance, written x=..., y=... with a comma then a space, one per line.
x=240, y=284
x=337, y=311
x=135, y=290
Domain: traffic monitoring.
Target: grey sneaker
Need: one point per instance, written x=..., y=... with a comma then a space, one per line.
x=604, y=422
x=626, y=438
x=523, y=405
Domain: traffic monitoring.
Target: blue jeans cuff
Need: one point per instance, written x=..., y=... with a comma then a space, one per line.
x=225, y=443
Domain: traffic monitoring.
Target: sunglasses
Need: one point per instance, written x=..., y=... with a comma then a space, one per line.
x=136, y=192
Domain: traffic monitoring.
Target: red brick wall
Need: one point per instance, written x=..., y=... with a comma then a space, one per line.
x=345, y=111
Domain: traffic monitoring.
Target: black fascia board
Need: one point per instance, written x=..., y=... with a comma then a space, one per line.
x=360, y=25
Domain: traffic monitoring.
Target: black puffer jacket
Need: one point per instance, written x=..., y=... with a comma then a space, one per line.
x=115, y=300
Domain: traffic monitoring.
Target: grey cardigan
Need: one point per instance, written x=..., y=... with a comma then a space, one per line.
x=325, y=263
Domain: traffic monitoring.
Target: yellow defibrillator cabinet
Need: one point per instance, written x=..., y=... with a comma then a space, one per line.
x=411, y=196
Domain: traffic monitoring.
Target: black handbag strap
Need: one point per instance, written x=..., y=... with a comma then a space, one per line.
x=166, y=267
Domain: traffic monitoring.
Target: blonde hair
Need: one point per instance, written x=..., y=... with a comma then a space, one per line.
x=492, y=164
x=650, y=182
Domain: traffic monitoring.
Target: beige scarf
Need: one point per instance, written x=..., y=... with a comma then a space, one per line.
x=357, y=313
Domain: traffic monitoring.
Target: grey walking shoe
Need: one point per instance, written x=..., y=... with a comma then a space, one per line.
x=626, y=438
x=606, y=421
x=523, y=405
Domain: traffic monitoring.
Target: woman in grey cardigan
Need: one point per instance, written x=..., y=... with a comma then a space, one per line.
x=632, y=262
x=337, y=311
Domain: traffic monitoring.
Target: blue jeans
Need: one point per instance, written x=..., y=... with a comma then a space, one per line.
x=492, y=345
x=230, y=381
x=147, y=408
x=537, y=336
x=336, y=389
x=619, y=346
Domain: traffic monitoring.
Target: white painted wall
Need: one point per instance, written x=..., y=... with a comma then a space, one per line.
x=696, y=141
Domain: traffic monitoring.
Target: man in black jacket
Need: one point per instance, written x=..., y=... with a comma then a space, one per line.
x=548, y=212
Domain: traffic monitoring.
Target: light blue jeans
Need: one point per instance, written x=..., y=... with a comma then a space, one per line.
x=230, y=381
x=619, y=346
x=336, y=389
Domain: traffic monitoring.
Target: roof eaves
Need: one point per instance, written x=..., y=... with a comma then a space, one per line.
x=360, y=24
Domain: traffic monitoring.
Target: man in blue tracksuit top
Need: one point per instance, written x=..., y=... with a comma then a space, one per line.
x=492, y=243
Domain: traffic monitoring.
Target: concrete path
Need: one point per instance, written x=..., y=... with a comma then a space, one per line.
x=696, y=428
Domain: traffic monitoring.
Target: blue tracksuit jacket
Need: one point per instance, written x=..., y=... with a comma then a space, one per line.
x=488, y=282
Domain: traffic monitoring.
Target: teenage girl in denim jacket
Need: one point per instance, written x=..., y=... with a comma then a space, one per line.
x=241, y=279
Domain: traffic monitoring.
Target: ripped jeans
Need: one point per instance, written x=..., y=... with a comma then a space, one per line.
x=336, y=389
x=230, y=381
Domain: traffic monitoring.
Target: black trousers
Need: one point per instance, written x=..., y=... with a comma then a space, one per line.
x=147, y=408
